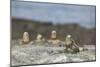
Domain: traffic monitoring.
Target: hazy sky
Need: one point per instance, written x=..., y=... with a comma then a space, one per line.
x=56, y=13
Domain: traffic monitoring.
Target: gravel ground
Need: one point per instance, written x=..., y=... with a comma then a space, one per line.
x=46, y=53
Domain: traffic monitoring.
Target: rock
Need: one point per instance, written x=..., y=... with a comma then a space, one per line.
x=45, y=54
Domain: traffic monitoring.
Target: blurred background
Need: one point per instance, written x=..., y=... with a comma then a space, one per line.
x=35, y=17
